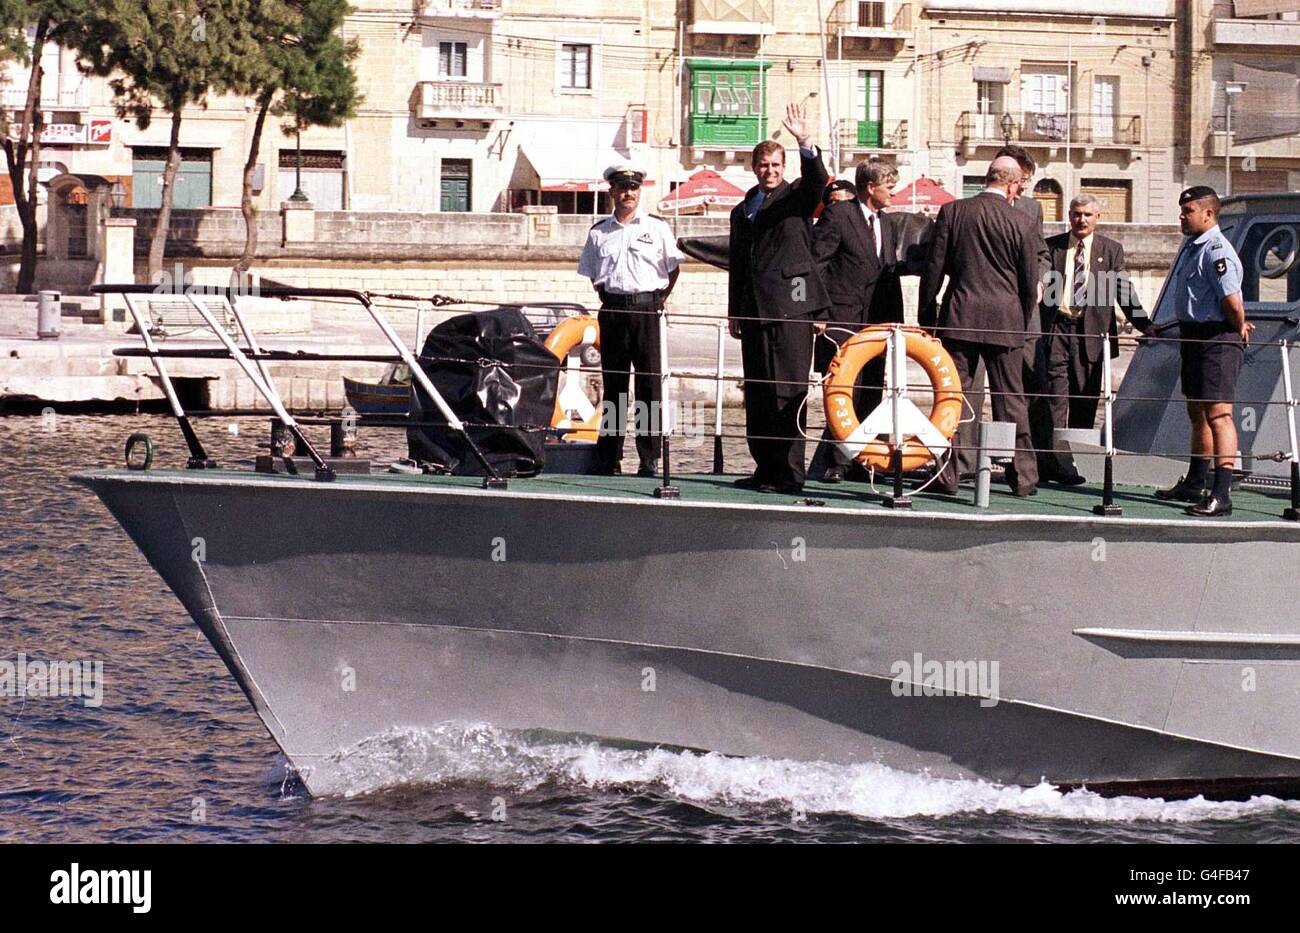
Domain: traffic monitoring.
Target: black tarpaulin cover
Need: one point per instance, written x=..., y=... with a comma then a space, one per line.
x=491, y=370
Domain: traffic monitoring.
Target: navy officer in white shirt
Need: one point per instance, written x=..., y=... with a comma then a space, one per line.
x=632, y=260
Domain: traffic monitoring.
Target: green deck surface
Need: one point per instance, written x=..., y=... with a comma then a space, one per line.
x=1051, y=501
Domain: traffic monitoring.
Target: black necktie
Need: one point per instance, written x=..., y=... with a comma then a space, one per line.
x=871, y=230
x=1080, y=299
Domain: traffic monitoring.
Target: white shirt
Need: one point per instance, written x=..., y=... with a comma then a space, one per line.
x=873, y=221
x=628, y=258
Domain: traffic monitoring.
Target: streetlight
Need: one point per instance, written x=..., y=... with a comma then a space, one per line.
x=1230, y=90
x=298, y=195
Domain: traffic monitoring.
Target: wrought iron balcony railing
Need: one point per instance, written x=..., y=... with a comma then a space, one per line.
x=872, y=18
x=886, y=135
x=1082, y=127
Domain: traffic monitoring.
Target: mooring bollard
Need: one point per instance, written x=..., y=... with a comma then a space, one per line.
x=48, y=315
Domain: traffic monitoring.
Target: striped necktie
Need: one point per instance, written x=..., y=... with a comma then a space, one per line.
x=1079, y=299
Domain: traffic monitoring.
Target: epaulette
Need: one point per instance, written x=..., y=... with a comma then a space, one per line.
x=658, y=217
x=597, y=224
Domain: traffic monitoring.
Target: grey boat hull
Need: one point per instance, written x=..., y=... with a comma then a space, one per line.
x=346, y=610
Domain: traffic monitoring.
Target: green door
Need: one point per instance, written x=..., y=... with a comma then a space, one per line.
x=455, y=185
x=193, y=178
x=871, y=95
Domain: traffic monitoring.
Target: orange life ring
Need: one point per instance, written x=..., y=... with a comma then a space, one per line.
x=862, y=348
x=572, y=334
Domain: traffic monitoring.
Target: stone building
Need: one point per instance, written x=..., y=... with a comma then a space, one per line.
x=1087, y=86
x=1253, y=48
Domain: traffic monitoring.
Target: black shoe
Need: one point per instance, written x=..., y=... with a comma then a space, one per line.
x=1025, y=493
x=607, y=470
x=834, y=474
x=1210, y=506
x=1182, y=491
x=1068, y=479
x=791, y=489
x=648, y=468
x=754, y=483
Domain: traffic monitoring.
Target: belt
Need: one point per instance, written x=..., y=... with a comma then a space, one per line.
x=1069, y=314
x=632, y=302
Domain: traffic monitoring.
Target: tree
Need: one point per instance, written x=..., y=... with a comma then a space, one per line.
x=305, y=76
x=168, y=54
x=50, y=21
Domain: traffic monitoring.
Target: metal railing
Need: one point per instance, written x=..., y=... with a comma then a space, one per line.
x=1082, y=127
x=888, y=135
x=52, y=98
x=251, y=358
x=872, y=18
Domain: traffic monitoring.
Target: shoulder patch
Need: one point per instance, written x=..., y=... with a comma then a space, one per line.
x=1221, y=266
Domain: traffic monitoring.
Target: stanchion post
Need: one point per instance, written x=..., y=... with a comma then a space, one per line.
x=1107, y=507
x=896, y=384
x=667, y=490
x=718, y=465
x=1291, y=514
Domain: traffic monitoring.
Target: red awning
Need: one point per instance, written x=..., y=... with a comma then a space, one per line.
x=705, y=188
x=921, y=195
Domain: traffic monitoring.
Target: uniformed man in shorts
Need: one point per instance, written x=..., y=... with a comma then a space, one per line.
x=632, y=260
x=1205, y=287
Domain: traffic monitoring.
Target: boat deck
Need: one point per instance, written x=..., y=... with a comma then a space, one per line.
x=1051, y=501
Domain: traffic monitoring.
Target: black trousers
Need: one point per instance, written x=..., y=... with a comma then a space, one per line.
x=867, y=393
x=1005, y=368
x=630, y=340
x=1072, y=383
x=1034, y=382
x=776, y=356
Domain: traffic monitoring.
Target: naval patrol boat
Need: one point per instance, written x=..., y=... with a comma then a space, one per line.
x=1090, y=636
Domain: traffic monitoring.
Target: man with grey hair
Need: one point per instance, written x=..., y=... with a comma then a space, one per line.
x=1086, y=282
x=988, y=252
x=855, y=246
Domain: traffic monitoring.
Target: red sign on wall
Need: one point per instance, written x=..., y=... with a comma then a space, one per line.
x=101, y=132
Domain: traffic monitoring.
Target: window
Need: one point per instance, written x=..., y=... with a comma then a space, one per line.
x=575, y=66
x=727, y=100
x=322, y=177
x=868, y=105
x=451, y=59
x=1270, y=261
x=193, y=178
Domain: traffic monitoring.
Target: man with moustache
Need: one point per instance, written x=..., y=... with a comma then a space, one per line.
x=1088, y=281
x=854, y=244
x=632, y=260
x=988, y=252
x=774, y=295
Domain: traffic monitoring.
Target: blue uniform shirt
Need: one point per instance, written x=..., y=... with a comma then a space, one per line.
x=1207, y=271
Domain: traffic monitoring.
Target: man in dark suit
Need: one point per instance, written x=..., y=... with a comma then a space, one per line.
x=855, y=246
x=775, y=293
x=1039, y=415
x=988, y=252
x=1088, y=280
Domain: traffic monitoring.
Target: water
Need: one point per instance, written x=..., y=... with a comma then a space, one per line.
x=176, y=754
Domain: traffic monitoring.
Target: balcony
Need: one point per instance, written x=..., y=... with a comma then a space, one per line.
x=872, y=19
x=455, y=100
x=1053, y=130
x=732, y=18
x=871, y=135
x=459, y=9
x=1261, y=33
x=53, y=97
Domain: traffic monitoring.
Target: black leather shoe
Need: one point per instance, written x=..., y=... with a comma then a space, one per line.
x=834, y=474
x=608, y=470
x=754, y=483
x=1210, y=507
x=1182, y=491
x=790, y=489
x=650, y=468
x=1068, y=479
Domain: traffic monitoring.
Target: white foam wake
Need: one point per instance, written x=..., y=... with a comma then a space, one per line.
x=454, y=753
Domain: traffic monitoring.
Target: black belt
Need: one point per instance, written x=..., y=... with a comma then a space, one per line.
x=636, y=301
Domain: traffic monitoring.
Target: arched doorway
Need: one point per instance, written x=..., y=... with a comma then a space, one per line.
x=1048, y=193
